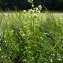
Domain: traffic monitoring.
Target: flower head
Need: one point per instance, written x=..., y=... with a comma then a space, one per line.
x=39, y=7
x=35, y=15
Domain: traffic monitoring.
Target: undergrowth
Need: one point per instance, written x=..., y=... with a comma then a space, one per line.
x=27, y=37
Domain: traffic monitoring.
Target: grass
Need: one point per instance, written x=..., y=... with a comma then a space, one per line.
x=31, y=37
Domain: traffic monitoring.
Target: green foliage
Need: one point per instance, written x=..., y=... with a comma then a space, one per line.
x=31, y=38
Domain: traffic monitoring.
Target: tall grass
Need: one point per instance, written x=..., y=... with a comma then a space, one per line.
x=31, y=38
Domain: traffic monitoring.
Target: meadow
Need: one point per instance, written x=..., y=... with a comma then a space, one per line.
x=28, y=37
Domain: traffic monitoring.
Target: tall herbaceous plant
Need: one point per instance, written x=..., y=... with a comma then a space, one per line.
x=31, y=37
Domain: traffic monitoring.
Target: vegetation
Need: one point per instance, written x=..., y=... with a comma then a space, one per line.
x=29, y=37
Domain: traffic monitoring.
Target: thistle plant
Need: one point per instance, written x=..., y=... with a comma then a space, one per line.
x=36, y=9
x=31, y=37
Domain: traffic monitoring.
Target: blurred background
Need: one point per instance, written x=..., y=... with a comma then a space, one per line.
x=54, y=5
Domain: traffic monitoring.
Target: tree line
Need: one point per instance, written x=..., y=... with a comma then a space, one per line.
x=25, y=4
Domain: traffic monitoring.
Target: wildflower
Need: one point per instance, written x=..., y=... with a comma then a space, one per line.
x=29, y=51
x=39, y=7
x=5, y=41
x=32, y=5
x=32, y=58
x=59, y=59
x=46, y=33
x=23, y=35
x=12, y=31
x=30, y=1
x=41, y=38
x=62, y=42
x=31, y=11
x=2, y=56
x=51, y=60
x=24, y=11
x=0, y=48
x=35, y=15
x=38, y=11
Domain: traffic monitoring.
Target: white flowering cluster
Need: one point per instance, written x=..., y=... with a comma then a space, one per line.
x=36, y=9
x=31, y=1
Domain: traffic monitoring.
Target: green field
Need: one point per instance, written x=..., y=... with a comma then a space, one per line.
x=27, y=37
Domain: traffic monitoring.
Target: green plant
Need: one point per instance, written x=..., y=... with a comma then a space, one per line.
x=31, y=38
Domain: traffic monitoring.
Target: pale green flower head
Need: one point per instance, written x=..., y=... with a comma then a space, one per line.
x=32, y=5
x=24, y=11
x=39, y=7
x=35, y=15
x=30, y=1
x=31, y=11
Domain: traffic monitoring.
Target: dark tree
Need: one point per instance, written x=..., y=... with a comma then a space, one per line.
x=24, y=4
x=14, y=4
